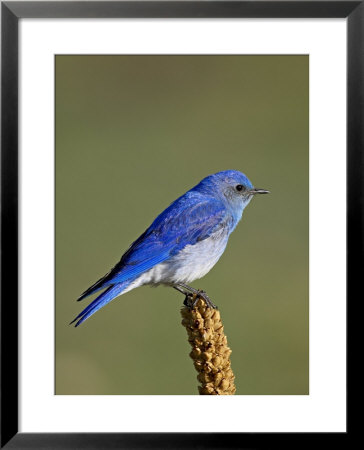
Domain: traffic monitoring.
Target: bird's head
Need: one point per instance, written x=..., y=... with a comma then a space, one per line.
x=232, y=187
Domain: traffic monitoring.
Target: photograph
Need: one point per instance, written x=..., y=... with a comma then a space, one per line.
x=181, y=224
x=172, y=225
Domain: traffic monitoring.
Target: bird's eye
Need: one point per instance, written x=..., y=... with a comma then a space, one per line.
x=239, y=187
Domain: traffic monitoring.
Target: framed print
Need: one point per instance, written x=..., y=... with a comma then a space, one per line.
x=134, y=135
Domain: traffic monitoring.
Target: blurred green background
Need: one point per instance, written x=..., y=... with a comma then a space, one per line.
x=132, y=134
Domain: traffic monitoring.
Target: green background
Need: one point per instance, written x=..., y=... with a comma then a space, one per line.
x=132, y=134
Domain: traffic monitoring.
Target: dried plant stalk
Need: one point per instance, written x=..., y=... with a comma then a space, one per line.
x=210, y=352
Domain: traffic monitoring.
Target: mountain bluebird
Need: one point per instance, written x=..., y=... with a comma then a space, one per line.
x=183, y=243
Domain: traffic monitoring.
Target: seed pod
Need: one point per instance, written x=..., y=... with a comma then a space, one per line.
x=208, y=389
x=195, y=353
x=207, y=356
x=210, y=352
x=216, y=361
x=224, y=384
x=218, y=378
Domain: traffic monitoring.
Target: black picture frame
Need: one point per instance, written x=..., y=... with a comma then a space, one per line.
x=11, y=12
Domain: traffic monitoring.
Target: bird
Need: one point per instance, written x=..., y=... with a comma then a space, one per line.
x=182, y=244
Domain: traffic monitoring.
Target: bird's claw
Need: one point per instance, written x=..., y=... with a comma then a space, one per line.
x=191, y=302
x=188, y=301
x=209, y=303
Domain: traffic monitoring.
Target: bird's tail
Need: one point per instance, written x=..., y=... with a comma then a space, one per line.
x=109, y=294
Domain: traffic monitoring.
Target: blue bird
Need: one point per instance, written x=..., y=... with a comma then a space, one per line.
x=183, y=243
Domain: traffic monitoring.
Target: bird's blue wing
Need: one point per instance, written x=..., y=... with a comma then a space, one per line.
x=190, y=219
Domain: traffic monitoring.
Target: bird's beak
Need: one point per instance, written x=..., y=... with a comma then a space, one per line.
x=258, y=191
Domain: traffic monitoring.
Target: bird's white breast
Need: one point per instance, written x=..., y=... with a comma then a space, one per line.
x=191, y=263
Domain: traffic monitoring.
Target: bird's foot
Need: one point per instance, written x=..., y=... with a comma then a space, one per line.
x=191, y=300
x=203, y=295
x=192, y=297
x=188, y=301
